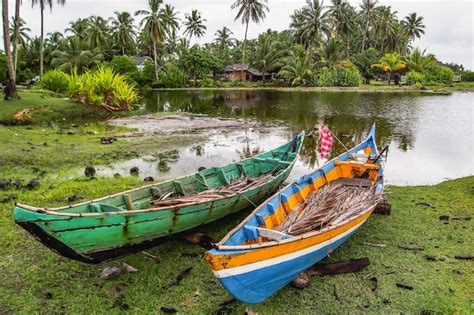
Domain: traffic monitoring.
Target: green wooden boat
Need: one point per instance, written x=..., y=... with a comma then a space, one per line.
x=131, y=221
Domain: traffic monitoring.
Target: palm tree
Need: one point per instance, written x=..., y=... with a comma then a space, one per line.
x=310, y=23
x=194, y=25
x=98, y=32
x=418, y=61
x=16, y=33
x=414, y=26
x=8, y=57
x=385, y=26
x=223, y=38
x=249, y=10
x=18, y=36
x=123, y=31
x=390, y=64
x=268, y=54
x=331, y=53
x=153, y=26
x=42, y=4
x=75, y=54
x=54, y=40
x=367, y=16
x=171, y=20
x=79, y=28
x=297, y=66
x=31, y=53
x=340, y=14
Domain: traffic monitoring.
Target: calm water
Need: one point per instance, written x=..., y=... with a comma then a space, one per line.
x=431, y=137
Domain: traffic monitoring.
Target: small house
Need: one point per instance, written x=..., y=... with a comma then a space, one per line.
x=239, y=72
x=140, y=61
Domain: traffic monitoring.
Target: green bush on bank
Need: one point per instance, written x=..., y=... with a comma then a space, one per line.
x=344, y=77
x=101, y=87
x=467, y=76
x=172, y=77
x=55, y=81
x=415, y=77
x=438, y=74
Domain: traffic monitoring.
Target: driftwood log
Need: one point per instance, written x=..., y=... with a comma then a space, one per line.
x=353, y=265
x=383, y=208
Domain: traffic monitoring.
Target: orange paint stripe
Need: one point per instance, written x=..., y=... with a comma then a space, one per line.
x=219, y=262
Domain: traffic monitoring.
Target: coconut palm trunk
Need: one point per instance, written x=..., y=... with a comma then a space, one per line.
x=155, y=58
x=16, y=35
x=8, y=56
x=242, y=77
x=42, y=41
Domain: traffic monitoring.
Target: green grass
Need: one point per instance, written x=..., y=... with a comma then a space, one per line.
x=36, y=280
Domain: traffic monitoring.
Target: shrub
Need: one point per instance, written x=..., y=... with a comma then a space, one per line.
x=344, y=77
x=467, y=76
x=102, y=87
x=439, y=74
x=123, y=64
x=173, y=77
x=148, y=73
x=414, y=77
x=207, y=82
x=55, y=81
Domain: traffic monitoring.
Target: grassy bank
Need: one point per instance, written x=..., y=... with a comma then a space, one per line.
x=37, y=280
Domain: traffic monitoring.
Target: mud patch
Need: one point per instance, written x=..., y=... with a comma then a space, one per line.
x=172, y=124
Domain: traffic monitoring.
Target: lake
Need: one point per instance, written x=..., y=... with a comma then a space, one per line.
x=430, y=137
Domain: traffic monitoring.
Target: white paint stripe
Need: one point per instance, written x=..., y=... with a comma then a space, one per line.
x=280, y=259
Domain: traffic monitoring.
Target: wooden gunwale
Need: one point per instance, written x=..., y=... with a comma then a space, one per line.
x=220, y=245
x=294, y=238
x=54, y=211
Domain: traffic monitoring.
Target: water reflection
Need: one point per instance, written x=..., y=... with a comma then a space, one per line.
x=414, y=126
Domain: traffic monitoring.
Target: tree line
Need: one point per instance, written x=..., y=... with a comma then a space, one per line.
x=336, y=42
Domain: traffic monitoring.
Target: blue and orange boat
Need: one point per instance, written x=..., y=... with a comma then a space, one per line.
x=259, y=257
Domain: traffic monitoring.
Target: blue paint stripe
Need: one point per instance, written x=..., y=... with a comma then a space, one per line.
x=256, y=286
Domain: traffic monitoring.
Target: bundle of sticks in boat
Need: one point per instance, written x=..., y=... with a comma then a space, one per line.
x=329, y=206
x=237, y=186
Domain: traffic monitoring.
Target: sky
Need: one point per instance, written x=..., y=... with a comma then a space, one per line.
x=449, y=23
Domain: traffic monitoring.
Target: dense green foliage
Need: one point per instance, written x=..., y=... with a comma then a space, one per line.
x=173, y=77
x=198, y=63
x=439, y=74
x=467, y=76
x=102, y=87
x=345, y=77
x=321, y=36
x=415, y=77
x=55, y=80
x=123, y=64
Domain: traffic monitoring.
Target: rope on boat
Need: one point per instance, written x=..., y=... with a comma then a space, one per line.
x=329, y=206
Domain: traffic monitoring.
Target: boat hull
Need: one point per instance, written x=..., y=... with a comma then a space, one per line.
x=94, y=239
x=256, y=259
x=106, y=228
x=253, y=283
